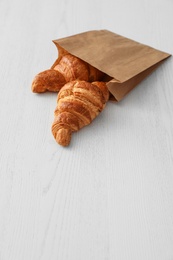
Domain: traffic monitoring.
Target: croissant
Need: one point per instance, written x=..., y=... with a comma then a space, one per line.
x=79, y=102
x=68, y=69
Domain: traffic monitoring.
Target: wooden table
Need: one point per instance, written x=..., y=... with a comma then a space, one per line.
x=109, y=195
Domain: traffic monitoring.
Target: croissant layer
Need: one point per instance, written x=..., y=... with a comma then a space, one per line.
x=78, y=103
x=50, y=80
x=68, y=69
x=72, y=68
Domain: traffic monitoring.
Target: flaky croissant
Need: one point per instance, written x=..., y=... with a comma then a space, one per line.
x=68, y=69
x=79, y=102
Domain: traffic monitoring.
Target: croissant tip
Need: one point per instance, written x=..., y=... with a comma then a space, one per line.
x=33, y=89
x=37, y=88
x=34, y=85
x=63, y=137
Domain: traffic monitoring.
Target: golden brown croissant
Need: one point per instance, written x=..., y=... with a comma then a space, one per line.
x=50, y=80
x=68, y=68
x=79, y=102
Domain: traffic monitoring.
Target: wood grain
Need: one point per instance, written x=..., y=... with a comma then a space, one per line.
x=109, y=195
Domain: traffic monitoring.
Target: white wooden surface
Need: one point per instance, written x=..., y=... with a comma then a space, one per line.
x=109, y=195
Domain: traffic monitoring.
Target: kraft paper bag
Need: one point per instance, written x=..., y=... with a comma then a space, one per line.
x=125, y=62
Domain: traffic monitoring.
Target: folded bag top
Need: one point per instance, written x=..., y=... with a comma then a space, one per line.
x=126, y=61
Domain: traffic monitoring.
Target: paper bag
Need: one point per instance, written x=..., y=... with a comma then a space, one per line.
x=126, y=62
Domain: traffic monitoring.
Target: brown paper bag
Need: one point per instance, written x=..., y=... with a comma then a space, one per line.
x=125, y=61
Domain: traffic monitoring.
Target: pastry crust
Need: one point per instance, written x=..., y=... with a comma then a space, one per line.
x=50, y=80
x=68, y=68
x=73, y=68
x=78, y=103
